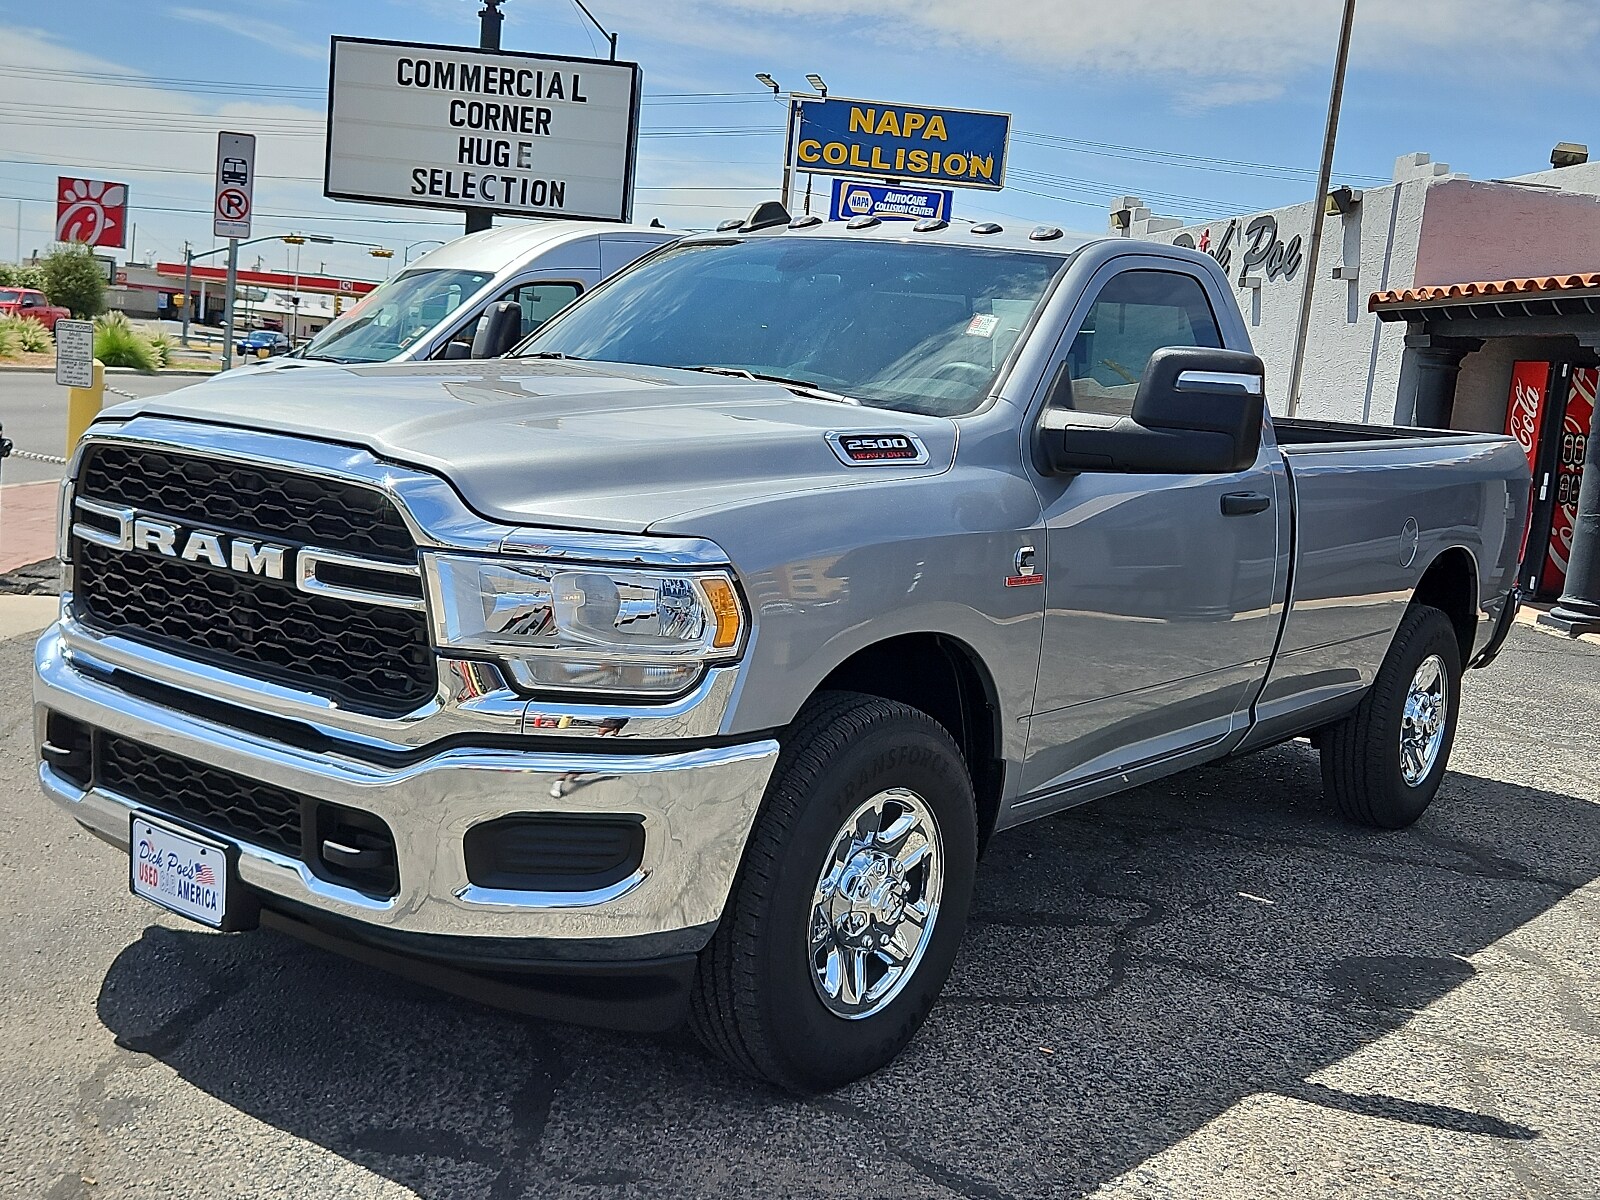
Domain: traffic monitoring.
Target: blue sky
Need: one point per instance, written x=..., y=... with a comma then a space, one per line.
x=1203, y=107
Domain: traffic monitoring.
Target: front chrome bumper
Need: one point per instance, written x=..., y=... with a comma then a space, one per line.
x=698, y=807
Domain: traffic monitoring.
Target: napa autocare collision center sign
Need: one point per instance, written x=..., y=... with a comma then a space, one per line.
x=907, y=143
x=448, y=127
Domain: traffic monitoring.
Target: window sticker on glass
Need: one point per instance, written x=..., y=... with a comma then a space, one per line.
x=983, y=325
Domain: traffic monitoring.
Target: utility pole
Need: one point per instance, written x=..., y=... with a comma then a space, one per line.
x=1319, y=205
x=188, y=300
x=490, y=18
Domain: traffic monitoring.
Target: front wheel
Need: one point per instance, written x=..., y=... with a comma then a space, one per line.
x=1383, y=763
x=851, y=902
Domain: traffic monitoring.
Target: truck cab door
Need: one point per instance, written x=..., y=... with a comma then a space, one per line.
x=1163, y=591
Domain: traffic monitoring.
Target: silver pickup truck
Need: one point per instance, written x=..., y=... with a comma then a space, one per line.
x=684, y=663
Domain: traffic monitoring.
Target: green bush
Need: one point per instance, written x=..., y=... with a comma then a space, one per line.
x=9, y=344
x=31, y=337
x=118, y=344
x=74, y=278
x=12, y=275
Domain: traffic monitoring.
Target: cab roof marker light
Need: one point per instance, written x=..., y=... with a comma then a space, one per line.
x=767, y=215
x=805, y=222
x=865, y=221
x=986, y=227
x=734, y=223
x=930, y=225
x=1044, y=233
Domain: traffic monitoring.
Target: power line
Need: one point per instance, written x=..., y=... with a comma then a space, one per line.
x=279, y=216
x=1199, y=162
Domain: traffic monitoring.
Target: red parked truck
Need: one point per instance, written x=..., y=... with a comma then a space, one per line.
x=33, y=304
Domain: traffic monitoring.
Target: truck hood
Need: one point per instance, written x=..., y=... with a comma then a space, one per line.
x=576, y=445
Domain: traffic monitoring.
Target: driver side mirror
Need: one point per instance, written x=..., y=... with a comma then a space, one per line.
x=500, y=329
x=1198, y=411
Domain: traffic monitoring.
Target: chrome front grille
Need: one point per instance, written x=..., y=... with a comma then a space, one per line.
x=321, y=635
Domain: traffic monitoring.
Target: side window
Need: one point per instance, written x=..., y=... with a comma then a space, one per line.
x=32, y=300
x=541, y=301
x=1136, y=314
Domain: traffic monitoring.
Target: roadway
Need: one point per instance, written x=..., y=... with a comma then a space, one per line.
x=1207, y=989
x=33, y=412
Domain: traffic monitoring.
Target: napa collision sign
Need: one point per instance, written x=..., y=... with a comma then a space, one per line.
x=904, y=142
x=449, y=127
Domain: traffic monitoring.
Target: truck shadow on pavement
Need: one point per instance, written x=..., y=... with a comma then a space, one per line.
x=1133, y=970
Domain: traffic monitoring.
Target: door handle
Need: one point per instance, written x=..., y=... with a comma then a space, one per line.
x=1239, y=504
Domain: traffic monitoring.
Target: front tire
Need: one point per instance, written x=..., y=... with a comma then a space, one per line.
x=1383, y=763
x=851, y=902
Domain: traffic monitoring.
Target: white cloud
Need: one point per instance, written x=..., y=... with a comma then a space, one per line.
x=1255, y=47
x=163, y=143
x=248, y=26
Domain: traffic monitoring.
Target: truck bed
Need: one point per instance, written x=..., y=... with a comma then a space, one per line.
x=1297, y=435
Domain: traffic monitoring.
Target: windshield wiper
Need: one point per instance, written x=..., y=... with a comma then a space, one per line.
x=551, y=354
x=803, y=386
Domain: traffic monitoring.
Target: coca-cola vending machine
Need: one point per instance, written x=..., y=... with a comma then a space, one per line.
x=1549, y=412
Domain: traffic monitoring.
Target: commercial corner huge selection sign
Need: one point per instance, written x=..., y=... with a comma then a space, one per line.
x=446, y=127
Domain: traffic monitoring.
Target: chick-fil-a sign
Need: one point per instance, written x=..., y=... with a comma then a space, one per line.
x=91, y=211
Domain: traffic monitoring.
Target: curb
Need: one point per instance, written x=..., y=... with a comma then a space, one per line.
x=1528, y=617
x=42, y=578
x=111, y=371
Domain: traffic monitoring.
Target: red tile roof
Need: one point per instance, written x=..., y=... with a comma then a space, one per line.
x=1492, y=287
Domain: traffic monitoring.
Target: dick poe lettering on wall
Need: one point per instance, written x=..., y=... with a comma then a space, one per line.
x=1264, y=252
x=449, y=127
x=903, y=142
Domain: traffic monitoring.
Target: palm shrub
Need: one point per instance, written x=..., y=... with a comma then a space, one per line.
x=10, y=347
x=118, y=344
x=31, y=336
x=161, y=347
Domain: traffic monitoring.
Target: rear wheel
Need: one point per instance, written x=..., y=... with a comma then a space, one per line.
x=851, y=902
x=1383, y=763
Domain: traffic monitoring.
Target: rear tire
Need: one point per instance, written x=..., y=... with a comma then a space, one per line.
x=1383, y=763
x=778, y=995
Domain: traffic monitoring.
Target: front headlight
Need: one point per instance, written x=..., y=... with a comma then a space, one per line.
x=572, y=627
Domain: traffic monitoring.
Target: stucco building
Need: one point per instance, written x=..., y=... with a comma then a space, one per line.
x=1446, y=302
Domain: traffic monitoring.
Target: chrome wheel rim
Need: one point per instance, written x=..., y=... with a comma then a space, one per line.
x=1423, y=724
x=876, y=903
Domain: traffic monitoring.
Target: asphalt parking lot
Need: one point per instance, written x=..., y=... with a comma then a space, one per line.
x=1205, y=988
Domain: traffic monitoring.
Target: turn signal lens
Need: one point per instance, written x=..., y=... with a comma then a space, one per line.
x=725, y=608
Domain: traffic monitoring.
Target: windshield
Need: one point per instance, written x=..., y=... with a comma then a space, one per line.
x=392, y=317
x=919, y=328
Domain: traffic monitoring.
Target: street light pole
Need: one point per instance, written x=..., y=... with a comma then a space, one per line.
x=1319, y=206
x=490, y=18
x=795, y=98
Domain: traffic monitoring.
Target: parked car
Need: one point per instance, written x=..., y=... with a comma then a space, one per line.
x=433, y=308
x=257, y=340
x=32, y=304
x=686, y=661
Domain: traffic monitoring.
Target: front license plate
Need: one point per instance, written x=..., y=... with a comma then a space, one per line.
x=179, y=871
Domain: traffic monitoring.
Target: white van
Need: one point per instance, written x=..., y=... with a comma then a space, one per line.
x=431, y=309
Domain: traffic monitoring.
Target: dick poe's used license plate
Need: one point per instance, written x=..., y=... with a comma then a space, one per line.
x=180, y=871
